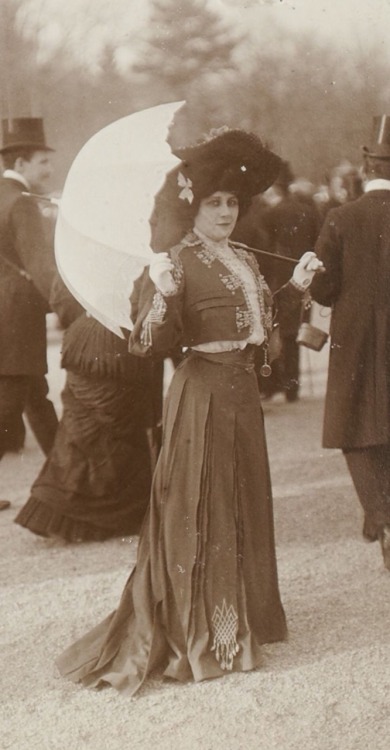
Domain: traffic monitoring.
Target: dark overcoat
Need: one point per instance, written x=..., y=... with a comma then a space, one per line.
x=23, y=306
x=354, y=245
x=292, y=227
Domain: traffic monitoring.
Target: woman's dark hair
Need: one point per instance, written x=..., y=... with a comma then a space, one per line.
x=213, y=178
x=173, y=216
x=244, y=201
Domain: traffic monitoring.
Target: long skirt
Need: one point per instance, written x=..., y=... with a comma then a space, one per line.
x=96, y=481
x=204, y=594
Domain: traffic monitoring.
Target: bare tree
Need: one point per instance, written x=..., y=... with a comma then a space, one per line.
x=182, y=41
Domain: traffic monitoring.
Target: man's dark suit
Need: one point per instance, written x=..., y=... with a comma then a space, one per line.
x=354, y=245
x=26, y=271
x=292, y=227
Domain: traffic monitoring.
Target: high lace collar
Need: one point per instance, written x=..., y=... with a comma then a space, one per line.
x=211, y=244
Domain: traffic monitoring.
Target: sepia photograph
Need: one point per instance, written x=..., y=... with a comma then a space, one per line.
x=194, y=374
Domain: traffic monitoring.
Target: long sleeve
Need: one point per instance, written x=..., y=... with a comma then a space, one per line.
x=32, y=246
x=287, y=302
x=158, y=325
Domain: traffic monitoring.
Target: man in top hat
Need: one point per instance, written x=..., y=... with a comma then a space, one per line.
x=27, y=268
x=354, y=245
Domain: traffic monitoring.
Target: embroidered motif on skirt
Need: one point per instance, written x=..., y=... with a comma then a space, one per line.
x=225, y=627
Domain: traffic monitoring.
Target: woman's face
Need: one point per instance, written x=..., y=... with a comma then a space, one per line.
x=217, y=215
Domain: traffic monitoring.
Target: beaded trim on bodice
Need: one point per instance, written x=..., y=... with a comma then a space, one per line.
x=242, y=273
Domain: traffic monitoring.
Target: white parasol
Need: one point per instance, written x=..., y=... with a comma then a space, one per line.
x=103, y=232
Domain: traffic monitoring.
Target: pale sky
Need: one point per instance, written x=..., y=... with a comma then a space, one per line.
x=349, y=22
x=86, y=24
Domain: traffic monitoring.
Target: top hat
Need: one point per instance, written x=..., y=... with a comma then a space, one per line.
x=230, y=160
x=23, y=132
x=379, y=147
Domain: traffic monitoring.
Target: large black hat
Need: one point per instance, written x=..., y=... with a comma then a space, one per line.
x=23, y=132
x=227, y=159
x=379, y=147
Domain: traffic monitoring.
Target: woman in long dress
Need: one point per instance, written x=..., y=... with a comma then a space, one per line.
x=204, y=594
x=95, y=483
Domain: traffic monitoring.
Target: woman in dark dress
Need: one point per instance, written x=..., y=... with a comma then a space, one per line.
x=204, y=594
x=95, y=483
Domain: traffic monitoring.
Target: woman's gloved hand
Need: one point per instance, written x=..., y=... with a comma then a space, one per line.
x=160, y=271
x=304, y=271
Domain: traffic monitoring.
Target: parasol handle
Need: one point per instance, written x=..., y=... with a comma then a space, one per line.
x=286, y=258
x=294, y=261
x=265, y=252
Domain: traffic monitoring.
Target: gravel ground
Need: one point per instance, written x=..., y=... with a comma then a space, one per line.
x=326, y=688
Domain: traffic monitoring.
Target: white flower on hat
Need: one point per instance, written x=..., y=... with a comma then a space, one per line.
x=184, y=182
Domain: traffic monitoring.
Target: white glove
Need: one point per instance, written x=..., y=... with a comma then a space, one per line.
x=304, y=271
x=160, y=271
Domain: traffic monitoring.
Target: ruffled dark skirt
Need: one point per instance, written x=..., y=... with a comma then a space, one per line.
x=96, y=482
x=204, y=594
